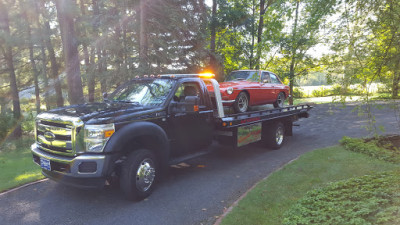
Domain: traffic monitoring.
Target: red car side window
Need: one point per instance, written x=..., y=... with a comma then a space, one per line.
x=274, y=79
x=254, y=77
x=265, y=77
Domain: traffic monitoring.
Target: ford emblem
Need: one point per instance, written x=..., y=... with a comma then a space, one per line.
x=49, y=136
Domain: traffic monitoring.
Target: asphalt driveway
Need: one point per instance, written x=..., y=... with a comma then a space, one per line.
x=194, y=194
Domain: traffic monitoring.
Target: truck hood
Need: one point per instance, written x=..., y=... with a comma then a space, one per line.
x=104, y=112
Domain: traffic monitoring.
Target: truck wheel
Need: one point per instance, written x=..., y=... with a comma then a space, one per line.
x=280, y=100
x=241, y=103
x=138, y=174
x=275, y=135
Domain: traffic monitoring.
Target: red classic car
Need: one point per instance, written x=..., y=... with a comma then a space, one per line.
x=244, y=88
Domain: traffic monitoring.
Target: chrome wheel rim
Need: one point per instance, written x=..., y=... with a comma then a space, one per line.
x=281, y=100
x=243, y=102
x=279, y=136
x=145, y=175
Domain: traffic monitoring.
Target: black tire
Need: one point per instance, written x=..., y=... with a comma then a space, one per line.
x=280, y=100
x=138, y=174
x=275, y=135
x=241, y=103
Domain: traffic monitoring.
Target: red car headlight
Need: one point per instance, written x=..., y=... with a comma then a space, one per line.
x=229, y=90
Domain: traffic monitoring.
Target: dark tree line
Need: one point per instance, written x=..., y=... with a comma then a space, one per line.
x=74, y=50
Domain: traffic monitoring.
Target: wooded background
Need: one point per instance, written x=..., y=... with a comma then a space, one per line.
x=71, y=51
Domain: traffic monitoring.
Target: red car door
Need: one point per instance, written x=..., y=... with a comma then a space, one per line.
x=253, y=87
x=267, y=89
x=276, y=84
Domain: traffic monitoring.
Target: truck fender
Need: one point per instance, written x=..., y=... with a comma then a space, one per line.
x=128, y=133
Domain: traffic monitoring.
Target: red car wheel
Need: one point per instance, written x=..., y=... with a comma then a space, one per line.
x=241, y=103
x=280, y=100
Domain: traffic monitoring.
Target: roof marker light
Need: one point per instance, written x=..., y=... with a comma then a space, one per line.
x=206, y=75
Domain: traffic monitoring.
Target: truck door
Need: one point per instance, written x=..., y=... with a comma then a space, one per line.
x=191, y=131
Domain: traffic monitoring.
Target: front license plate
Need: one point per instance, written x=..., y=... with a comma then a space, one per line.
x=45, y=164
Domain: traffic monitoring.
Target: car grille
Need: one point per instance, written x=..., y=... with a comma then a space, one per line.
x=55, y=136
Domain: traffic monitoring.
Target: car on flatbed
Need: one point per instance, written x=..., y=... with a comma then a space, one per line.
x=143, y=127
x=244, y=88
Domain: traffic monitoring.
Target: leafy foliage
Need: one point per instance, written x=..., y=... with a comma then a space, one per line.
x=377, y=148
x=370, y=199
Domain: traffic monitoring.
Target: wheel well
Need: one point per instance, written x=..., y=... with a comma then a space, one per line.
x=146, y=141
x=247, y=93
x=142, y=142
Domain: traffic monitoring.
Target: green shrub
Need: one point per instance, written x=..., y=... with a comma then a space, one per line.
x=384, y=89
x=370, y=199
x=298, y=93
x=321, y=92
x=6, y=124
x=376, y=148
x=338, y=89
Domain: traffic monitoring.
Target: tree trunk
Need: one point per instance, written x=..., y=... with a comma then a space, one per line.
x=125, y=51
x=86, y=55
x=293, y=60
x=91, y=78
x=103, y=82
x=396, y=80
x=213, y=59
x=252, y=38
x=8, y=57
x=42, y=54
x=53, y=60
x=213, y=26
x=70, y=47
x=143, y=45
x=35, y=73
x=260, y=31
x=100, y=72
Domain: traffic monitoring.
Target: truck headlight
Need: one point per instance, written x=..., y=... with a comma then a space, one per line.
x=229, y=90
x=96, y=136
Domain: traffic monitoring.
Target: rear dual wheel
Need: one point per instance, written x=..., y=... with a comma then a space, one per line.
x=275, y=135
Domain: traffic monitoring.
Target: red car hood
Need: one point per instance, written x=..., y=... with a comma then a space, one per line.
x=224, y=85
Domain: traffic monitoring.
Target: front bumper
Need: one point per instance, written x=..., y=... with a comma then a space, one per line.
x=80, y=171
x=227, y=102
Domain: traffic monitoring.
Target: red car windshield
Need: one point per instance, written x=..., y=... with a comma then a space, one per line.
x=243, y=75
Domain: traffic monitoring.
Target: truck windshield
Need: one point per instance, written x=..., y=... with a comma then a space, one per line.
x=242, y=75
x=151, y=92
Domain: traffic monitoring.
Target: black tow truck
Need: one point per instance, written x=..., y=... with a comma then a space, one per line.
x=143, y=127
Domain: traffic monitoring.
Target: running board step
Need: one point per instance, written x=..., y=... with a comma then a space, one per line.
x=184, y=158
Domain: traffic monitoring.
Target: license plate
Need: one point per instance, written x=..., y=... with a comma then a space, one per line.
x=45, y=164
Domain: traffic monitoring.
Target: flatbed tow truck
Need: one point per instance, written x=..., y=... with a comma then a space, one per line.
x=143, y=127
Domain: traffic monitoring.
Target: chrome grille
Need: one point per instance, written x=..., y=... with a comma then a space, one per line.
x=56, y=134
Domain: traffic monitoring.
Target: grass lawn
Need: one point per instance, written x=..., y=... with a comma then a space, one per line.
x=16, y=164
x=272, y=197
